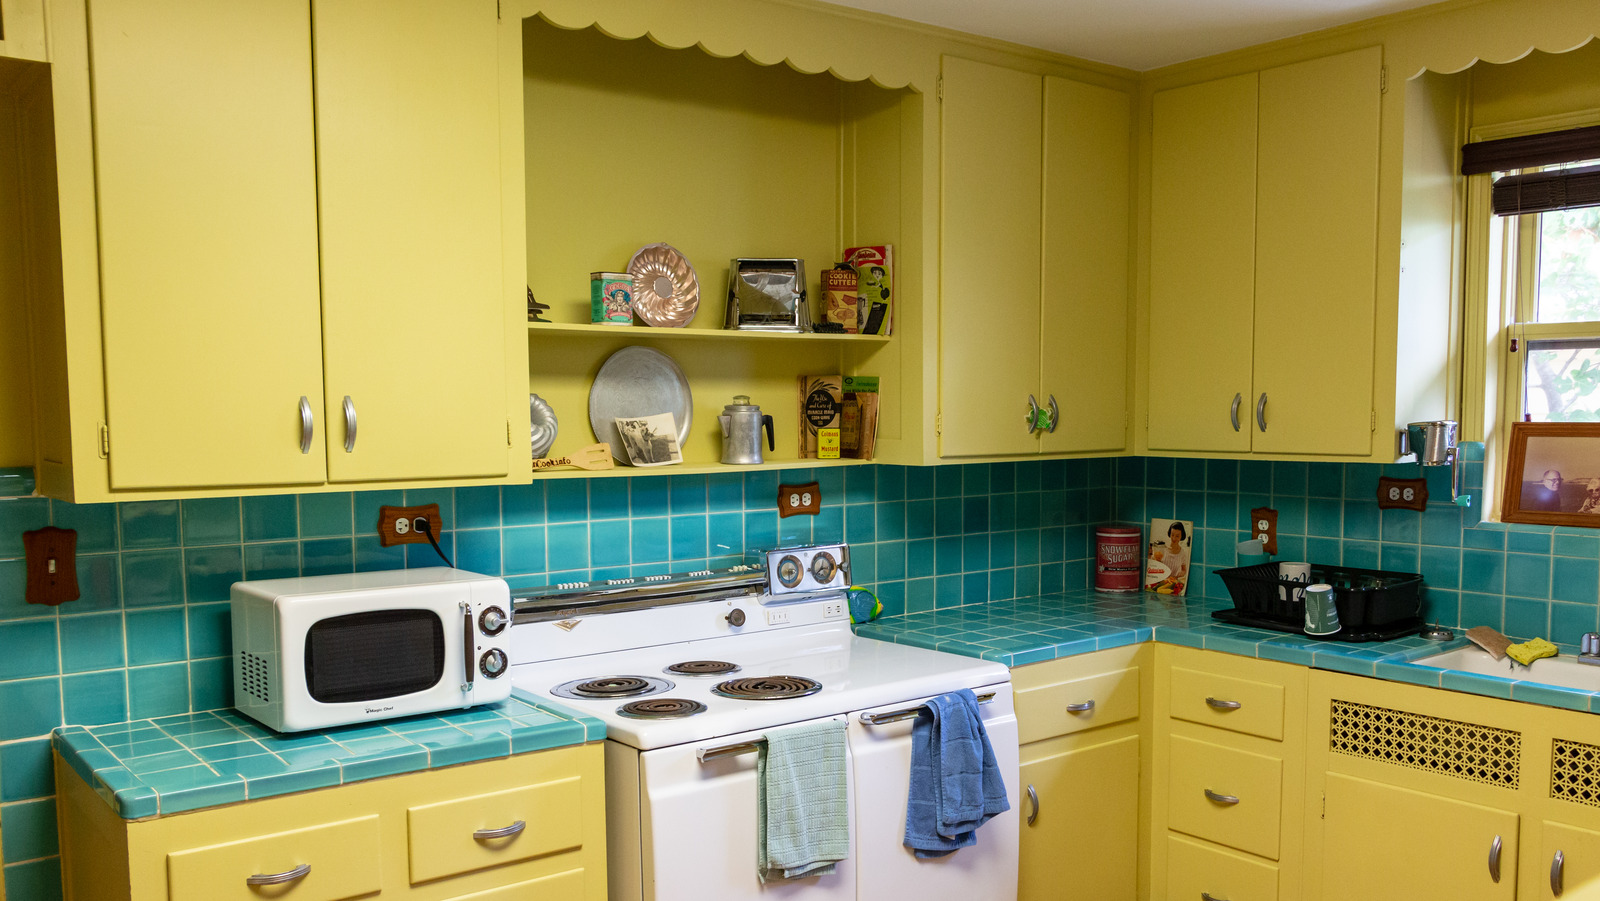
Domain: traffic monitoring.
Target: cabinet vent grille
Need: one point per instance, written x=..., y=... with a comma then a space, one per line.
x=1575, y=772
x=1448, y=747
x=253, y=677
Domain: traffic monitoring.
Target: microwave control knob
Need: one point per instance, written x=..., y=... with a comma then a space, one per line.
x=492, y=621
x=493, y=663
x=736, y=618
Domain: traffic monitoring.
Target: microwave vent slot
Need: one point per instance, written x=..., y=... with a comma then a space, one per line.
x=1467, y=751
x=1575, y=772
x=253, y=677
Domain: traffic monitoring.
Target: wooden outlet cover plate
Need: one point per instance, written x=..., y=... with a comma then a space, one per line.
x=1264, y=525
x=1402, y=494
x=794, y=500
x=389, y=529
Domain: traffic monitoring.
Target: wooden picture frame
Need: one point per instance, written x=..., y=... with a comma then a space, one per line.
x=1552, y=474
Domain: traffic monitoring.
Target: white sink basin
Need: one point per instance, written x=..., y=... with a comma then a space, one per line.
x=1564, y=670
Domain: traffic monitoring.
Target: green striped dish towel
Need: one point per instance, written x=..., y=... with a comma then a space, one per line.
x=802, y=812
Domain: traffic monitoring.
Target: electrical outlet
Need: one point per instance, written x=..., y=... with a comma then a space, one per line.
x=833, y=610
x=398, y=525
x=794, y=500
x=777, y=617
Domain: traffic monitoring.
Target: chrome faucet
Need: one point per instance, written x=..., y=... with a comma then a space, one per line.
x=1589, y=648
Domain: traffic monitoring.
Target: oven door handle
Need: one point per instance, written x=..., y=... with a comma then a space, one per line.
x=906, y=713
x=468, y=647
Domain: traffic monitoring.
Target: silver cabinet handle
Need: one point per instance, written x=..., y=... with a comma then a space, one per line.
x=1081, y=707
x=300, y=872
x=1207, y=896
x=1261, y=411
x=1033, y=797
x=307, y=424
x=516, y=828
x=1233, y=412
x=1229, y=800
x=1055, y=415
x=1218, y=704
x=1494, y=859
x=1033, y=415
x=349, y=424
x=1556, y=866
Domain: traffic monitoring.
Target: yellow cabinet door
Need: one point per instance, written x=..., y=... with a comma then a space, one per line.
x=1083, y=839
x=206, y=190
x=1380, y=841
x=22, y=34
x=1084, y=329
x=327, y=862
x=1202, y=266
x=1316, y=254
x=991, y=149
x=409, y=194
x=1577, y=874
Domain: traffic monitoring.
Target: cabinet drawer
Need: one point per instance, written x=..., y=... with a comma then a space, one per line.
x=1045, y=711
x=1227, y=702
x=564, y=886
x=1256, y=781
x=1195, y=870
x=447, y=838
x=342, y=860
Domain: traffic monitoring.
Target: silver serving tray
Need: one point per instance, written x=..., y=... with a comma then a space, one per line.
x=638, y=381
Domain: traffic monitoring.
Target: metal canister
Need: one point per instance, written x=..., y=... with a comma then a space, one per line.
x=611, y=298
x=1118, y=562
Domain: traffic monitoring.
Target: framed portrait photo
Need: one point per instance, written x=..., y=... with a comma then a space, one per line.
x=1553, y=474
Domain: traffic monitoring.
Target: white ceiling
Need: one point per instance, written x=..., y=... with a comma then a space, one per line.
x=1136, y=34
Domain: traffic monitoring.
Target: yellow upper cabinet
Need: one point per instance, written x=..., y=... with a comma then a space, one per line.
x=22, y=33
x=1263, y=260
x=1033, y=266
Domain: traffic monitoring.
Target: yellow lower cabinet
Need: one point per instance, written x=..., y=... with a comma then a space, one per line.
x=318, y=863
x=498, y=828
x=1231, y=797
x=1196, y=869
x=1080, y=821
x=1573, y=857
x=1386, y=842
x=568, y=886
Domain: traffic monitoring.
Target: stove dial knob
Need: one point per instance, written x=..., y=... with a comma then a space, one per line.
x=790, y=571
x=492, y=621
x=493, y=663
x=823, y=568
x=736, y=618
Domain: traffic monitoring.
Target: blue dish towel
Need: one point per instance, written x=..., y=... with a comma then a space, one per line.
x=802, y=802
x=956, y=784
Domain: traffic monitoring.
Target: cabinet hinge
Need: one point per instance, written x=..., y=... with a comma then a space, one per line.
x=1383, y=80
x=1372, y=421
x=938, y=89
x=508, y=433
x=938, y=425
x=1324, y=805
x=105, y=441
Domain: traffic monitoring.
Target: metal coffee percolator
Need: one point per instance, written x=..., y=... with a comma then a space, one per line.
x=742, y=422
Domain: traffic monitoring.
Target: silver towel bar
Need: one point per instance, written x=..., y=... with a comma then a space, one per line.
x=871, y=719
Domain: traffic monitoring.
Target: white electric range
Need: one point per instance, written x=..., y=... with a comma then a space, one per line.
x=688, y=671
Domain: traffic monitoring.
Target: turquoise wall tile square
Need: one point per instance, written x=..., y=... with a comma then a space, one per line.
x=1222, y=475
x=367, y=507
x=96, y=525
x=920, y=482
x=1569, y=622
x=523, y=505
x=152, y=578
x=566, y=501
x=148, y=524
x=327, y=555
x=1528, y=543
x=327, y=515
x=1290, y=478
x=211, y=683
x=1572, y=545
x=272, y=560
x=1130, y=472
x=975, y=588
x=1323, y=550
x=761, y=528
x=90, y=642
x=1441, y=607
x=689, y=536
x=1325, y=480
x=420, y=555
x=608, y=499
x=156, y=636
x=418, y=497
x=1400, y=558
x=1483, y=571
x=1293, y=547
x=890, y=521
x=523, y=549
x=568, y=545
x=609, y=543
x=1361, y=481
x=1528, y=575
x=861, y=481
x=860, y=523
x=761, y=490
x=864, y=569
x=25, y=770
x=1482, y=610
x=209, y=572
x=797, y=530
x=726, y=534
x=1361, y=521
x=372, y=556
x=891, y=481
x=975, y=514
x=1401, y=525
x=891, y=562
x=1441, y=525
x=1575, y=579
x=28, y=648
x=920, y=518
x=1324, y=518
x=947, y=513
x=688, y=494
x=270, y=518
x=93, y=699
x=99, y=584
x=1361, y=554
x=1488, y=539
x=1003, y=550
x=1527, y=618
x=210, y=630
x=1292, y=514
x=948, y=555
x=1441, y=567
x=478, y=550
x=479, y=507
x=40, y=879
x=29, y=708
x=158, y=690
x=30, y=830
x=974, y=553
x=920, y=557
x=651, y=541
x=1255, y=476
x=211, y=520
x=725, y=492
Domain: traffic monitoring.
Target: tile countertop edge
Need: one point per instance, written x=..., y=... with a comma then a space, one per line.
x=1029, y=630
x=190, y=761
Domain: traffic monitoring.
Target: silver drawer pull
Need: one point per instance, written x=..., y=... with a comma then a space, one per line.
x=307, y=424
x=1083, y=707
x=1218, y=704
x=1261, y=412
x=1207, y=896
x=1033, y=796
x=484, y=835
x=1494, y=859
x=1233, y=412
x=349, y=425
x=1557, y=865
x=1221, y=799
x=300, y=872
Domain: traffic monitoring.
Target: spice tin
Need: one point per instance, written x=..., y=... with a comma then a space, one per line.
x=1117, y=559
x=611, y=298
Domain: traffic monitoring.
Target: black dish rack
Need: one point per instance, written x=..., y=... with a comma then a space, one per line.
x=1373, y=605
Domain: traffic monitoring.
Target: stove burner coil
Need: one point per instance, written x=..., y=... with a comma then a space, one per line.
x=608, y=687
x=661, y=708
x=767, y=688
x=702, y=668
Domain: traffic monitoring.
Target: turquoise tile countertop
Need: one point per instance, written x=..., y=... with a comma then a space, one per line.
x=171, y=764
x=1029, y=630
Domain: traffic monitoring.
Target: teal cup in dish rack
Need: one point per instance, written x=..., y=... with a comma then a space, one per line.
x=1252, y=552
x=1322, y=617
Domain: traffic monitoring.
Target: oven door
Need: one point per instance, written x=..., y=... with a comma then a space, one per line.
x=698, y=829
x=886, y=868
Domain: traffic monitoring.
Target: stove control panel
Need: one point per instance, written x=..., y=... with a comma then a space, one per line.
x=801, y=570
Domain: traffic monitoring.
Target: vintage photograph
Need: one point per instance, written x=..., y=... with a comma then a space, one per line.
x=650, y=440
x=1553, y=474
x=1171, y=544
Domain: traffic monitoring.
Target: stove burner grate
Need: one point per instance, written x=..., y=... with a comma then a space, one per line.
x=767, y=688
x=661, y=708
x=608, y=687
x=702, y=668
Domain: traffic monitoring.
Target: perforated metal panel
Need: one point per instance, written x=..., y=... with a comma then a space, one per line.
x=253, y=677
x=1449, y=747
x=1575, y=772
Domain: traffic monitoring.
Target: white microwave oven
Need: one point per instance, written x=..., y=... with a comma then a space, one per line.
x=322, y=651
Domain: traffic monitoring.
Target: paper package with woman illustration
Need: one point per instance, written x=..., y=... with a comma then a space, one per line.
x=1166, y=571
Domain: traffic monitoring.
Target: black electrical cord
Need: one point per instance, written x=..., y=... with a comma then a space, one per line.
x=426, y=528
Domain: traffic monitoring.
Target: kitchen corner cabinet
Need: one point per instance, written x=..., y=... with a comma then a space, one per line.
x=1263, y=260
x=408, y=836
x=1033, y=267
x=1419, y=787
x=1084, y=777
x=305, y=274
